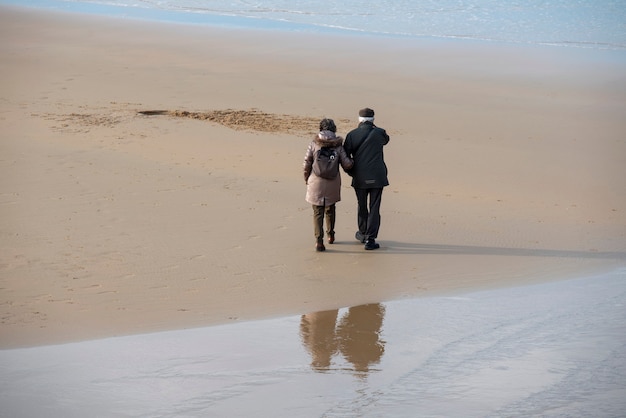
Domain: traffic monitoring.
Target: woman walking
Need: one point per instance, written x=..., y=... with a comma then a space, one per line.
x=323, y=157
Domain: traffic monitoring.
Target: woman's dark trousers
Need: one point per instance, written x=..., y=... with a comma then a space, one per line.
x=318, y=221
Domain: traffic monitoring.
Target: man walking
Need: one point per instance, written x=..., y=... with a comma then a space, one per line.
x=364, y=145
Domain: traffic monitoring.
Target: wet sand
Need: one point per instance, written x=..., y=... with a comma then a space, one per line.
x=151, y=174
x=550, y=350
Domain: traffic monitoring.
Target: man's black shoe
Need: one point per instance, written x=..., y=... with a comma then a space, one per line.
x=360, y=237
x=371, y=245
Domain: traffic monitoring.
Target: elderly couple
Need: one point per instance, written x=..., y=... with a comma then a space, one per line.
x=361, y=156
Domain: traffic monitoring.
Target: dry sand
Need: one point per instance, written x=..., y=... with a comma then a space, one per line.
x=507, y=166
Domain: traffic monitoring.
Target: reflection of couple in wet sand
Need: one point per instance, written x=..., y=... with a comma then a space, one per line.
x=356, y=336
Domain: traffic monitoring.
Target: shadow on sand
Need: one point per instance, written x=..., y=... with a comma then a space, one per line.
x=396, y=247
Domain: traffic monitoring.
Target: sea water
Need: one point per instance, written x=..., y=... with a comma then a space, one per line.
x=599, y=24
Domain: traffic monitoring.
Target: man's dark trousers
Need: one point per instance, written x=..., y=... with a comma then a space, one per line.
x=368, y=214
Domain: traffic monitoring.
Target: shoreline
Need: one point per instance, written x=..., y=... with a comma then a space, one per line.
x=241, y=22
x=506, y=167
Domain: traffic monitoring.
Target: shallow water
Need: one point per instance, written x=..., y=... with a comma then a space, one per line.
x=550, y=350
x=588, y=23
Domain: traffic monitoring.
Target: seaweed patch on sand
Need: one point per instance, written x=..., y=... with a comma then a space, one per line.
x=250, y=120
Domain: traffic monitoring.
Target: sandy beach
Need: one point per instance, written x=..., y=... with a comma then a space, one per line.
x=150, y=173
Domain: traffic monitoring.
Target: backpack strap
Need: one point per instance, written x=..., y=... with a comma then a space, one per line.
x=365, y=140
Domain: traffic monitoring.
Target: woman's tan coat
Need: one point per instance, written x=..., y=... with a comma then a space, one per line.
x=320, y=191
